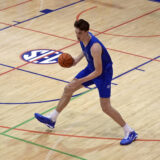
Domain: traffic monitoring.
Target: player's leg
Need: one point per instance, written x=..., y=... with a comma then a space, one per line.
x=104, y=87
x=129, y=134
x=70, y=88
x=103, y=84
x=67, y=94
x=68, y=91
x=110, y=111
x=50, y=120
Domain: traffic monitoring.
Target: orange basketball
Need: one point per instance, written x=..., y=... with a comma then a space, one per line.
x=65, y=60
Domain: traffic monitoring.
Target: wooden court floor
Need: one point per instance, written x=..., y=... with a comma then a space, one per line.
x=33, y=33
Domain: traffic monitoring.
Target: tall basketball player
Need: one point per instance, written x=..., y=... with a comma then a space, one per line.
x=99, y=71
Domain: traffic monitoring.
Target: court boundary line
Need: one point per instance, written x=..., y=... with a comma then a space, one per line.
x=78, y=96
x=127, y=36
x=28, y=120
x=15, y=5
x=39, y=74
x=45, y=101
x=134, y=19
x=134, y=68
x=75, y=136
x=95, y=35
x=136, y=55
x=42, y=146
x=8, y=135
x=30, y=142
x=78, y=42
x=33, y=118
x=151, y=36
x=54, y=10
x=41, y=32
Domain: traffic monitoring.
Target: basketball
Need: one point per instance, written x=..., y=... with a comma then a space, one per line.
x=65, y=60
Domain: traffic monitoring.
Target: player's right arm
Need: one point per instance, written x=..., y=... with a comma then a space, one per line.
x=78, y=58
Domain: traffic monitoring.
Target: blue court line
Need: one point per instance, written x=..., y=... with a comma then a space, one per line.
x=17, y=23
x=35, y=73
x=155, y=0
x=115, y=84
x=43, y=75
x=43, y=101
x=39, y=74
x=135, y=68
x=5, y=28
x=93, y=88
x=140, y=69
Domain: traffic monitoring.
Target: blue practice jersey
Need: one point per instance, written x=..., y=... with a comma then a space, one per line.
x=106, y=59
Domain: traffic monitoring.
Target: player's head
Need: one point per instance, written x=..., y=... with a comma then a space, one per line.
x=81, y=29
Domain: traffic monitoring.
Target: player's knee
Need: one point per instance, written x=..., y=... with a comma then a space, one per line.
x=69, y=89
x=106, y=108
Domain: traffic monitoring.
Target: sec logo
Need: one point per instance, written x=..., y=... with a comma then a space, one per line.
x=41, y=56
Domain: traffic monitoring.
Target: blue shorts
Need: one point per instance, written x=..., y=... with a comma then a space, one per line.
x=103, y=82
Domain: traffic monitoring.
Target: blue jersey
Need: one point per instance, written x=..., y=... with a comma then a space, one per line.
x=103, y=81
x=106, y=59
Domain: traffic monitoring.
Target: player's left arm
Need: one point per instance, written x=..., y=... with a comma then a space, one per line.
x=78, y=59
x=96, y=51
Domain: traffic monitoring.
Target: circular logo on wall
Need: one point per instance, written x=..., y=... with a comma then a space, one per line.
x=41, y=56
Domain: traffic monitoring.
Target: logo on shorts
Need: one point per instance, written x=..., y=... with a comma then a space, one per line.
x=41, y=56
x=108, y=86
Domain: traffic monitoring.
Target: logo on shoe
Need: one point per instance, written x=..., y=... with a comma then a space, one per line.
x=41, y=56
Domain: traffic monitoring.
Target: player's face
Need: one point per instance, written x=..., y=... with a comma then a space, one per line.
x=80, y=34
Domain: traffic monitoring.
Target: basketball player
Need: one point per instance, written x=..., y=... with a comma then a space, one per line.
x=99, y=71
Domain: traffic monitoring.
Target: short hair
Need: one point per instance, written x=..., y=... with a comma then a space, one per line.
x=82, y=25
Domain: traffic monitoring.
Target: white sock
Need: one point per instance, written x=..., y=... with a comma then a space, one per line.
x=53, y=115
x=127, y=129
